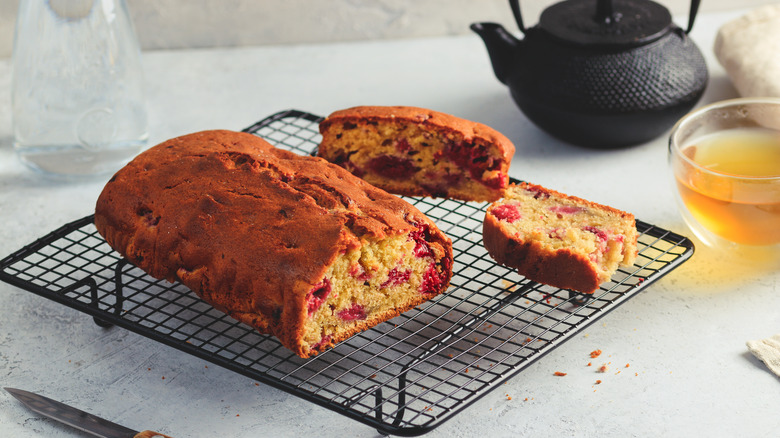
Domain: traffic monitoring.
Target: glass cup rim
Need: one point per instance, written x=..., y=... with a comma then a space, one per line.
x=674, y=147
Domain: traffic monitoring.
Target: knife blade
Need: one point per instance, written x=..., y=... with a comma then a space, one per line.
x=79, y=419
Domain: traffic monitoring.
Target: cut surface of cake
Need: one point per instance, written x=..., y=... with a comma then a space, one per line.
x=557, y=239
x=418, y=152
x=293, y=246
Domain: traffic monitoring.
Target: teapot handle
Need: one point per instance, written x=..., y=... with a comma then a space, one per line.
x=692, y=14
x=515, y=5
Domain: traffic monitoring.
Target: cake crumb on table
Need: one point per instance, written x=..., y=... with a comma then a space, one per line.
x=603, y=368
x=595, y=353
x=559, y=374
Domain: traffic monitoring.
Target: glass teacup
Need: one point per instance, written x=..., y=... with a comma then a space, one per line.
x=725, y=158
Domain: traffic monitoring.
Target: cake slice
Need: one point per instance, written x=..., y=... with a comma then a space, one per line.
x=559, y=240
x=418, y=152
x=291, y=245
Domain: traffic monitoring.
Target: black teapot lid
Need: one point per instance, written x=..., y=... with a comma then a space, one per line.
x=615, y=23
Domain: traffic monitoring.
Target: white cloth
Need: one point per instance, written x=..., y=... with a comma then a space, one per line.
x=748, y=48
x=768, y=350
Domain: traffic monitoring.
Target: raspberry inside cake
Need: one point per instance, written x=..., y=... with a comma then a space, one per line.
x=418, y=152
x=560, y=240
x=368, y=285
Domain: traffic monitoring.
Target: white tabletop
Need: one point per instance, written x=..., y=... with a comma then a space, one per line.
x=684, y=337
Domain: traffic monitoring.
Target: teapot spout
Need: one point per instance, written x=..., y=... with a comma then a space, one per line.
x=501, y=46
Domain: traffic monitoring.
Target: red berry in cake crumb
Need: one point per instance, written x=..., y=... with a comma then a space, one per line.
x=537, y=194
x=555, y=233
x=600, y=234
x=497, y=182
x=601, y=242
x=392, y=167
x=402, y=145
x=354, y=313
x=357, y=271
x=421, y=247
x=323, y=342
x=476, y=160
x=432, y=280
x=344, y=161
x=565, y=209
x=318, y=294
x=453, y=178
x=506, y=212
x=396, y=277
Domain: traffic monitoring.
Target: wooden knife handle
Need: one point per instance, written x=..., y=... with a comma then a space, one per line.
x=151, y=434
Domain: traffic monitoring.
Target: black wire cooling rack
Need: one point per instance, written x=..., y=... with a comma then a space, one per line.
x=405, y=376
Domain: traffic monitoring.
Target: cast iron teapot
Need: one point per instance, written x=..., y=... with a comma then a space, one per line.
x=600, y=73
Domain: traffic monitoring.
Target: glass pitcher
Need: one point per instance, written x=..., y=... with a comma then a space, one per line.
x=77, y=87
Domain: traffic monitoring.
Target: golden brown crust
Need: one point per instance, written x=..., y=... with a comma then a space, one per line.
x=562, y=268
x=469, y=132
x=248, y=227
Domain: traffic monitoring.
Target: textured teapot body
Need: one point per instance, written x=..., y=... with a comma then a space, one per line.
x=604, y=98
x=598, y=96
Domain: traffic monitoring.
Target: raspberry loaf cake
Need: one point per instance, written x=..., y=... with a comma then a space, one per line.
x=418, y=152
x=293, y=246
x=559, y=240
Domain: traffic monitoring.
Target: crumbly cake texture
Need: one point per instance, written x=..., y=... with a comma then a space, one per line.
x=557, y=239
x=293, y=246
x=418, y=152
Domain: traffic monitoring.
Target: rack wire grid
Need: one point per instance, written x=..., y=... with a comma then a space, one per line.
x=403, y=377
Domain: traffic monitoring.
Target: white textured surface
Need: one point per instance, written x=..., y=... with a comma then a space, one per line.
x=690, y=373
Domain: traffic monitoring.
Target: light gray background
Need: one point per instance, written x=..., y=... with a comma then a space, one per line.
x=173, y=24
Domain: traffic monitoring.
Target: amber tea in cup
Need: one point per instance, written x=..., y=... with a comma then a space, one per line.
x=725, y=158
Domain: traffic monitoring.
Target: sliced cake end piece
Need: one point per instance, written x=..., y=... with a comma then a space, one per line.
x=418, y=152
x=557, y=239
x=291, y=245
x=373, y=282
